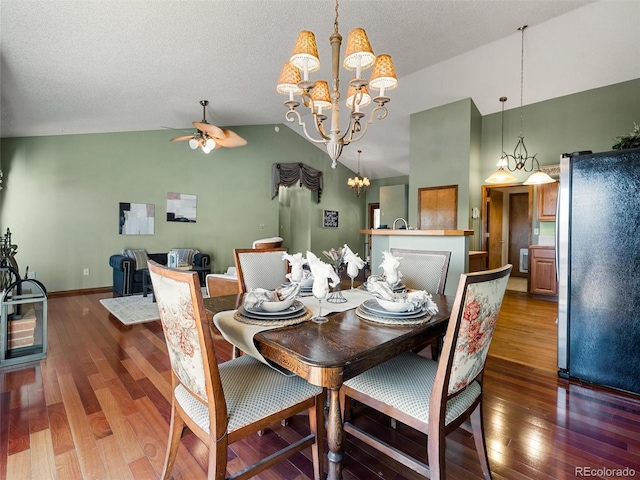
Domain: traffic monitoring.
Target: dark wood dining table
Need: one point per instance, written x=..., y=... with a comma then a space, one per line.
x=327, y=354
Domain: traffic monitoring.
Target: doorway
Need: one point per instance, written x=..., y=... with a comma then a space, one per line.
x=506, y=229
x=373, y=223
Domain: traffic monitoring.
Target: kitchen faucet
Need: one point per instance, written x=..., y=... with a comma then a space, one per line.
x=405, y=223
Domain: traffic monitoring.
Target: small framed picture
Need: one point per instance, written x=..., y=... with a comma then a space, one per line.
x=330, y=218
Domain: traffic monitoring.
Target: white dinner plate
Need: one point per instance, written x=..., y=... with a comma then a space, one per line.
x=374, y=308
x=296, y=308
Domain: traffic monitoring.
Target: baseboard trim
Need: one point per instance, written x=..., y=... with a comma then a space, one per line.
x=82, y=291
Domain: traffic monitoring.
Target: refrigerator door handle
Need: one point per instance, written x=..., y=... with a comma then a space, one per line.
x=557, y=232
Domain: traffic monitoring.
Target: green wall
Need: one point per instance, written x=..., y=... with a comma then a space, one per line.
x=444, y=145
x=373, y=192
x=61, y=196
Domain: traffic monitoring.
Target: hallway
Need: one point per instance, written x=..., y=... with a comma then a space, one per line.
x=526, y=332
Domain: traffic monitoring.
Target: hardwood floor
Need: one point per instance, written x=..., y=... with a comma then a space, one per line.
x=97, y=408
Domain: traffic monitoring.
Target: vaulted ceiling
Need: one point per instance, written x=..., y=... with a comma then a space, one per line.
x=87, y=66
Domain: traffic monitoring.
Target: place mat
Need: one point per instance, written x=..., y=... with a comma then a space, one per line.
x=274, y=322
x=392, y=320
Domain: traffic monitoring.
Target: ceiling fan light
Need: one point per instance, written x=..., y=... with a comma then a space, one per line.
x=210, y=144
x=193, y=143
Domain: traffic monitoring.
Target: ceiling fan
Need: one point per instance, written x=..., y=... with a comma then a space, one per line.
x=209, y=137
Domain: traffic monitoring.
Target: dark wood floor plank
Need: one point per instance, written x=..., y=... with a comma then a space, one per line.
x=5, y=400
x=60, y=430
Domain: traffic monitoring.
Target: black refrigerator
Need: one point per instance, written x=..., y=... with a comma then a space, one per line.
x=598, y=249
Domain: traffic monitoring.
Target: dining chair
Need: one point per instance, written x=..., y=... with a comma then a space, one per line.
x=437, y=397
x=260, y=268
x=271, y=242
x=222, y=283
x=423, y=269
x=224, y=403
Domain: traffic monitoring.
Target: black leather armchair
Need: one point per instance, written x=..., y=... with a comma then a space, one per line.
x=128, y=281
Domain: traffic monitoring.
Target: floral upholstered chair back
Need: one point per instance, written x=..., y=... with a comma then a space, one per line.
x=476, y=320
x=175, y=293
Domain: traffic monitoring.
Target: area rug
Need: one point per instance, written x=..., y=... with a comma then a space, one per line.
x=134, y=308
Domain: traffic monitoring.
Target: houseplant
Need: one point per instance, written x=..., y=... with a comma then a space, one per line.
x=632, y=140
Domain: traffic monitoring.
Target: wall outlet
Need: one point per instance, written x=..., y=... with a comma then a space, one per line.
x=31, y=275
x=536, y=231
x=85, y=272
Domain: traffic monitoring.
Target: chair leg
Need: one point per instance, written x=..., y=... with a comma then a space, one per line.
x=345, y=406
x=176, y=427
x=316, y=425
x=217, y=460
x=477, y=426
x=436, y=348
x=436, y=445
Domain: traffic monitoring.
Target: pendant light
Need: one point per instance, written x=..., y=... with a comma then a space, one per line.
x=501, y=175
x=359, y=184
x=521, y=158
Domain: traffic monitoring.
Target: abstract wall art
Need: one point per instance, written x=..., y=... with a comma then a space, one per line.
x=181, y=207
x=137, y=218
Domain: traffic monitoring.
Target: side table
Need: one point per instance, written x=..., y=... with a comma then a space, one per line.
x=202, y=273
x=147, y=286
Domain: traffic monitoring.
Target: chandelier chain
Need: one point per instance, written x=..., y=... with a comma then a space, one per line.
x=335, y=22
x=522, y=78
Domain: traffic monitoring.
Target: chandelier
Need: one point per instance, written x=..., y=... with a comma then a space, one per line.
x=318, y=97
x=521, y=158
x=359, y=184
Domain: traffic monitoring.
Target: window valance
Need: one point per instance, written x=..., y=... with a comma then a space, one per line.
x=288, y=174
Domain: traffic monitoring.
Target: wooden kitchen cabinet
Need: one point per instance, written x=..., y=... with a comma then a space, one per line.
x=542, y=270
x=547, y=199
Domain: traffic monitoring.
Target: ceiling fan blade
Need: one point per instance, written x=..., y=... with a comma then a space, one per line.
x=231, y=139
x=212, y=130
x=183, y=138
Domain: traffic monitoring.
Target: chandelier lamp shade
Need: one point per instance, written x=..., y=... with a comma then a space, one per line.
x=520, y=160
x=322, y=96
x=359, y=184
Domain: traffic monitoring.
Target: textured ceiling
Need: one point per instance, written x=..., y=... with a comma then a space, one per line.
x=86, y=66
